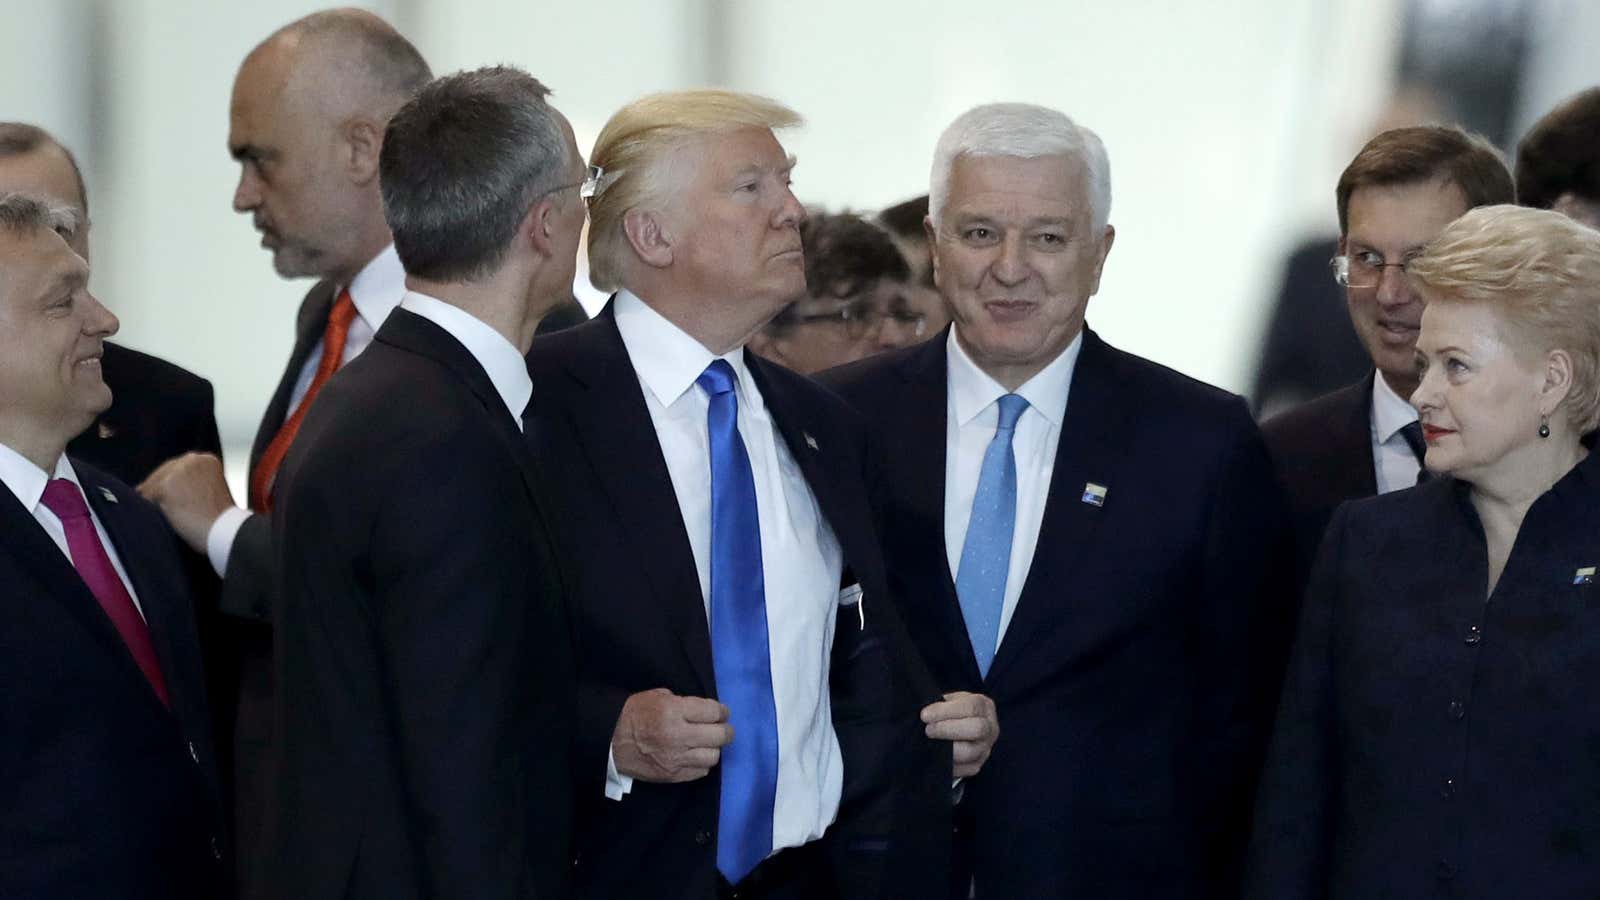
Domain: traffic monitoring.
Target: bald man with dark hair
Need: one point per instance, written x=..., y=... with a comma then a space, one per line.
x=306, y=125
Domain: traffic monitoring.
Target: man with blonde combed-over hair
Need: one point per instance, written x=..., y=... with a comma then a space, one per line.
x=748, y=702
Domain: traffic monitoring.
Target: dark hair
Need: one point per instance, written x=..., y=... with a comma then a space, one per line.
x=1423, y=153
x=462, y=162
x=845, y=255
x=1561, y=154
x=18, y=138
x=904, y=219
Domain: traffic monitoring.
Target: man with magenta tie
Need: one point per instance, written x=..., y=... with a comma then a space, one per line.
x=747, y=699
x=106, y=766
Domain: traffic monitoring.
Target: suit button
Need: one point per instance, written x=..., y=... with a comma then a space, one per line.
x=216, y=850
x=1458, y=710
x=702, y=838
x=1449, y=789
x=1474, y=635
x=1445, y=870
x=193, y=753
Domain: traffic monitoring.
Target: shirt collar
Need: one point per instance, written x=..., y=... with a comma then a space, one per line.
x=377, y=288
x=974, y=390
x=27, y=481
x=666, y=357
x=506, y=368
x=1390, y=413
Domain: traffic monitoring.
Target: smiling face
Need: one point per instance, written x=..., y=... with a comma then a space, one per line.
x=51, y=337
x=1480, y=392
x=1017, y=258
x=1386, y=225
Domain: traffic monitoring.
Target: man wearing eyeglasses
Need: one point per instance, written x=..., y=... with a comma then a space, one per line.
x=855, y=303
x=1400, y=191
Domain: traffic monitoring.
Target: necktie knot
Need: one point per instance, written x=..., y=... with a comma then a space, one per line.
x=63, y=498
x=1011, y=409
x=717, y=378
x=1412, y=433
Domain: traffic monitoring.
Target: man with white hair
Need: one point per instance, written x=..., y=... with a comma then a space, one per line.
x=1089, y=539
x=747, y=698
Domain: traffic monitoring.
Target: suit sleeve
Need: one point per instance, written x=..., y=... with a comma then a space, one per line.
x=1240, y=642
x=452, y=600
x=1289, y=846
x=249, y=583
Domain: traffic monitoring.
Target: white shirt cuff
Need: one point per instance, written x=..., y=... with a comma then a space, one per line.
x=219, y=540
x=617, y=784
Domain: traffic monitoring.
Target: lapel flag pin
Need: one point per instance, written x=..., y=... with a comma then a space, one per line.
x=112, y=498
x=810, y=441
x=1584, y=575
x=1094, y=494
x=105, y=431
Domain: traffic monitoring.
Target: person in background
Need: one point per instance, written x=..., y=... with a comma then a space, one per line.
x=907, y=224
x=856, y=283
x=1400, y=191
x=1558, y=160
x=107, y=771
x=1437, y=731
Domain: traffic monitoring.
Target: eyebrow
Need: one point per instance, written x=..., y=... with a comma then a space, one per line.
x=70, y=280
x=247, y=152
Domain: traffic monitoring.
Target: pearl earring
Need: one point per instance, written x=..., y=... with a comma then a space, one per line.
x=1544, y=426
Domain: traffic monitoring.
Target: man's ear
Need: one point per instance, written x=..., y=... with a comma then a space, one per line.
x=364, y=138
x=648, y=236
x=539, y=226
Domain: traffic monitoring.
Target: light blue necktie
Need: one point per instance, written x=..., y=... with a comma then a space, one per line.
x=739, y=650
x=986, y=556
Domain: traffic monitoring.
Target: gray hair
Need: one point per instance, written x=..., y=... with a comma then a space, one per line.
x=462, y=162
x=22, y=214
x=1026, y=131
x=391, y=62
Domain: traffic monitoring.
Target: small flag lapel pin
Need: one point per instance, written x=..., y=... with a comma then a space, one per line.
x=1094, y=494
x=105, y=431
x=112, y=498
x=1584, y=575
x=810, y=441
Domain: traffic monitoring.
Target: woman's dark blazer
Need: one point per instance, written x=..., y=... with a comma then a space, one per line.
x=1430, y=744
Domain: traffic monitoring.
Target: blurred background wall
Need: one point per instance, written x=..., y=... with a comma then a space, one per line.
x=1227, y=125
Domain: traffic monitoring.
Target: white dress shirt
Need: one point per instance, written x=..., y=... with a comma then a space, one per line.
x=506, y=367
x=800, y=558
x=27, y=481
x=1392, y=460
x=971, y=415
x=376, y=291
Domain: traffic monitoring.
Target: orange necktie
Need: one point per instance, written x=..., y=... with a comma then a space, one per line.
x=333, y=338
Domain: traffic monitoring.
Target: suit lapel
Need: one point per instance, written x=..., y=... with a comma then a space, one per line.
x=915, y=460
x=309, y=326
x=1353, y=439
x=36, y=553
x=612, y=422
x=1093, y=448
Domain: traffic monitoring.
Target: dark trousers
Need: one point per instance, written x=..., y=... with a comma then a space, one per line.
x=795, y=873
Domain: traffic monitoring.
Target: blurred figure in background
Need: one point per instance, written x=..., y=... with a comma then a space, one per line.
x=907, y=224
x=1437, y=736
x=856, y=282
x=1400, y=191
x=1558, y=161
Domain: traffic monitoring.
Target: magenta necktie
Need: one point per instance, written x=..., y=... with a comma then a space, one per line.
x=94, y=566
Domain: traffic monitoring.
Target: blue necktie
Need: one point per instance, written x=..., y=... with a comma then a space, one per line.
x=739, y=651
x=986, y=556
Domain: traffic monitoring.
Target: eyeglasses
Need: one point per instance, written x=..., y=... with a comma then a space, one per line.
x=858, y=319
x=586, y=187
x=1364, y=270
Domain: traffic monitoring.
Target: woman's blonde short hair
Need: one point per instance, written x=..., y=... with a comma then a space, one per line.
x=635, y=148
x=1541, y=271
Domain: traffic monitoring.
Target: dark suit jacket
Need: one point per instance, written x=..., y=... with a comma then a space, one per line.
x=1431, y=744
x=641, y=624
x=424, y=666
x=158, y=411
x=1135, y=680
x=1310, y=347
x=1323, y=453
x=104, y=792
